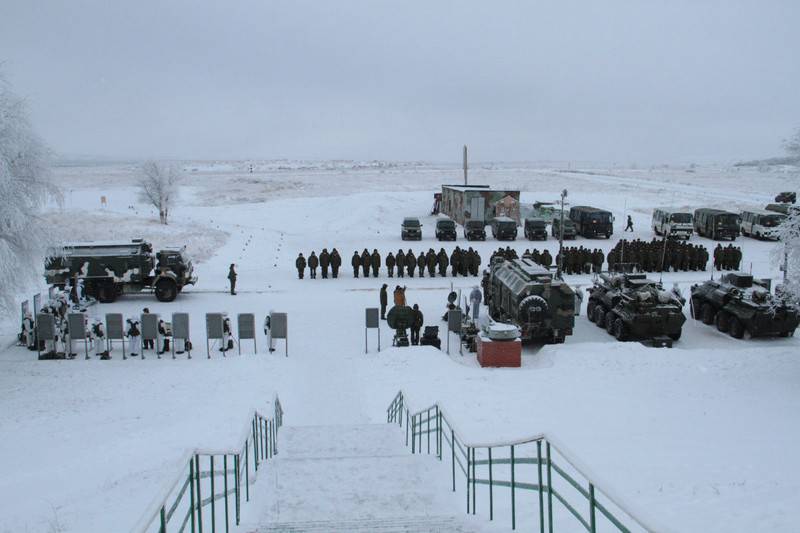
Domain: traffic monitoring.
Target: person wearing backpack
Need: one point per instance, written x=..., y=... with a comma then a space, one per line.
x=134, y=336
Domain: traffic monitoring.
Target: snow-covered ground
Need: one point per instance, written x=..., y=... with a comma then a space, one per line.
x=697, y=438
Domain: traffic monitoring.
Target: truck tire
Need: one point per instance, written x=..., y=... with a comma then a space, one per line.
x=708, y=314
x=675, y=336
x=722, y=321
x=620, y=330
x=735, y=328
x=599, y=317
x=534, y=308
x=590, y=311
x=610, y=319
x=106, y=293
x=696, y=308
x=166, y=290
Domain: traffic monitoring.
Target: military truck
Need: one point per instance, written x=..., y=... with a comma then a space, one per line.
x=570, y=232
x=504, y=229
x=535, y=229
x=110, y=269
x=716, y=224
x=632, y=307
x=474, y=230
x=591, y=221
x=525, y=294
x=411, y=229
x=737, y=304
x=445, y=229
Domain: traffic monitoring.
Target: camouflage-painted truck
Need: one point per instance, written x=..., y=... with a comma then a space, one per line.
x=527, y=295
x=632, y=307
x=108, y=270
x=739, y=304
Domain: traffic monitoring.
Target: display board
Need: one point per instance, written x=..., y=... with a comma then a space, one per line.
x=180, y=325
x=246, y=325
x=45, y=327
x=149, y=322
x=114, y=326
x=372, y=317
x=279, y=325
x=454, y=320
x=214, y=328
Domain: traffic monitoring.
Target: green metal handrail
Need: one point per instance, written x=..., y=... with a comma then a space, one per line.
x=191, y=498
x=422, y=424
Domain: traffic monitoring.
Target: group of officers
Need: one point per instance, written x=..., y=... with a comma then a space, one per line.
x=727, y=258
x=659, y=256
x=461, y=262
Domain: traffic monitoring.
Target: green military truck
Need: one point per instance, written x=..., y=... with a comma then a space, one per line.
x=110, y=269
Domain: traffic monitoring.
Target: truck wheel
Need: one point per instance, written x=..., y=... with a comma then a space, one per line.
x=696, y=308
x=675, y=336
x=735, y=328
x=610, y=320
x=590, y=311
x=106, y=293
x=620, y=332
x=708, y=314
x=166, y=290
x=600, y=317
x=722, y=321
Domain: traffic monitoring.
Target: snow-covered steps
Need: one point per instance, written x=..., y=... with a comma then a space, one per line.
x=355, y=478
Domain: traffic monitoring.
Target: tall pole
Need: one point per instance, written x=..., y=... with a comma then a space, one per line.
x=465, y=164
x=561, y=237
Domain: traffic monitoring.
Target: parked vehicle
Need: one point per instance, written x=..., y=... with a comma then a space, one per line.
x=504, y=229
x=411, y=230
x=716, y=224
x=535, y=229
x=672, y=223
x=591, y=221
x=475, y=230
x=570, y=232
x=786, y=197
x=761, y=224
x=445, y=229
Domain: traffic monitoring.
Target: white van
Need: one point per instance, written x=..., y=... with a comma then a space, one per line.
x=761, y=224
x=672, y=223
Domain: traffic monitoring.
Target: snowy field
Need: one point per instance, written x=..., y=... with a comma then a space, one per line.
x=701, y=437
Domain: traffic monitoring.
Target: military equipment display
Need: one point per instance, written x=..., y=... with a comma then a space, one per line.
x=400, y=318
x=110, y=269
x=739, y=304
x=632, y=307
x=672, y=223
x=716, y=224
x=761, y=224
x=570, y=232
x=411, y=230
x=504, y=228
x=445, y=229
x=525, y=294
x=591, y=221
x=535, y=229
x=475, y=230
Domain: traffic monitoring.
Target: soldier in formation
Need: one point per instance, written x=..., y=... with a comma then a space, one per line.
x=390, y=262
x=313, y=263
x=356, y=263
x=300, y=265
x=336, y=263
x=728, y=257
x=375, y=261
x=366, y=260
x=324, y=262
x=658, y=256
x=400, y=259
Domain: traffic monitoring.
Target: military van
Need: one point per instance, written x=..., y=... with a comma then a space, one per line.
x=445, y=229
x=474, y=230
x=569, y=228
x=591, y=221
x=411, y=229
x=504, y=229
x=672, y=223
x=535, y=229
x=716, y=224
x=761, y=224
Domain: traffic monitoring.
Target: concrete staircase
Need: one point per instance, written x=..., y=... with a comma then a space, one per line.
x=356, y=479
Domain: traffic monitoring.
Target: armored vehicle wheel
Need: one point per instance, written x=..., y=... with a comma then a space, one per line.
x=676, y=336
x=696, y=308
x=166, y=290
x=735, y=328
x=620, y=331
x=722, y=321
x=610, y=319
x=600, y=317
x=590, y=311
x=106, y=293
x=708, y=314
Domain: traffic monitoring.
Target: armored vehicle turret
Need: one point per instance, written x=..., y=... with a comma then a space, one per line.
x=108, y=269
x=738, y=304
x=632, y=307
x=527, y=295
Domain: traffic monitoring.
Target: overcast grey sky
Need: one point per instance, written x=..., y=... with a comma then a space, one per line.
x=646, y=81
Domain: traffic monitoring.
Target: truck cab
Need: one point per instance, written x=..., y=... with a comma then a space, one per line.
x=504, y=229
x=535, y=229
x=569, y=228
x=445, y=229
x=474, y=230
x=411, y=229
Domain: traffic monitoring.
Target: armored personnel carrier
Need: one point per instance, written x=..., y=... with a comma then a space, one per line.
x=632, y=307
x=113, y=268
x=525, y=294
x=738, y=304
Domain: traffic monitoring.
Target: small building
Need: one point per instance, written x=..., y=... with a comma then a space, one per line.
x=481, y=202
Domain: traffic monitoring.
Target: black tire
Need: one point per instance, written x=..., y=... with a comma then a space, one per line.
x=735, y=328
x=708, y=314
x=620, y=332
x=696, y=308
x=166, y=290
x=722, y=321
x=590, y=307
x=599, y=317
x=106, y=293
x=675, y=336
x=610, y=319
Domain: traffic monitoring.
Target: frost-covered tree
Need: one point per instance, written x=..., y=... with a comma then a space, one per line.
x=788, y=255
x=159, y=185
x=24, y=190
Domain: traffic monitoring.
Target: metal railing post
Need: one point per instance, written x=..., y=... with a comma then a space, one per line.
x=199, y=495
x=453, y=456
x=428, y=431
x=191, y=494
x=163, y=519
x=213, y=494
x=401, y=417
x=541, y=494
x=247, y=471
x=255, y=445
x=225, y=467
x=468, y=472
x=413, y=433
x=491, y=487
x=236, y=487
x=513, y=495
x=549, y=490
x=439, y=432
x=474, y=491
x=592, y=505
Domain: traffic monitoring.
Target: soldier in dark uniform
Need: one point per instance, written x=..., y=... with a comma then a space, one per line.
x=431, y=260
x=232, y=278
x=376, y=262
x=421, y=262
x=313, y=263
x=463, y=266
x=390, y=264
x=384, y=298
x=545, y=259
x=324, y=261
x=336, y=262
x=365, y=262
x=411, y=262
x=444, y=262
x=703, y=258
x=356, y=263
x=718, y=257
x=300, y=263
x=400, y=259
x=736, y=257
x=455, y=261
x=536, y=257
x=476, y=263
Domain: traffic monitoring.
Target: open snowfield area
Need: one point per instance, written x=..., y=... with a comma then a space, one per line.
x=702, y=437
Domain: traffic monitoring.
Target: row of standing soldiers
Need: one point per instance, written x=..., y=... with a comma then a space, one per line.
x=580, y=260
x=651, y=256
x=543, y=258
x=462, y=262
x=727, y=258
